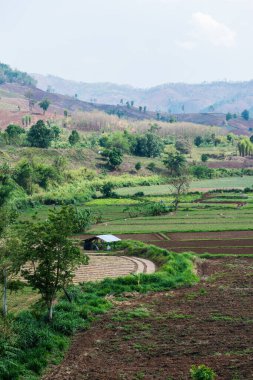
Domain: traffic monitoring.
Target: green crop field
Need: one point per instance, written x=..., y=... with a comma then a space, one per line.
x=201, y=185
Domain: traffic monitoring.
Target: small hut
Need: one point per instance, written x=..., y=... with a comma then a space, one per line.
x=100, y=243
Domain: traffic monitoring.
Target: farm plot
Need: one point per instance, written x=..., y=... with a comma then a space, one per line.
x=160, y=336
x=201, y=185
x=190, y=220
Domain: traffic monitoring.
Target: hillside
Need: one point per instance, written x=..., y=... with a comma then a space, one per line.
x=14, y=105
x=221, y=97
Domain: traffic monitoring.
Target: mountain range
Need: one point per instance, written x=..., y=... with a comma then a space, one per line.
x=176, y=98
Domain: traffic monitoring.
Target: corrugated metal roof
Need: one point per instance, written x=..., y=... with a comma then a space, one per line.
x=108, y=238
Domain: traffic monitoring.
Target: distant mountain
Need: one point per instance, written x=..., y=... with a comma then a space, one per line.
x=218, y=97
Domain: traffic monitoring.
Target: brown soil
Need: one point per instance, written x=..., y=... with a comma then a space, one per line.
x=228, y=242
x=210, y=323
x=211, y=235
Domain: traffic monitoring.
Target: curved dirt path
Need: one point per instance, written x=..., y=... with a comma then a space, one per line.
x=102, y=266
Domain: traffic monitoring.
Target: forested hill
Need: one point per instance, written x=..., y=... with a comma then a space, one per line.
x=9, y=75
x=218, y=97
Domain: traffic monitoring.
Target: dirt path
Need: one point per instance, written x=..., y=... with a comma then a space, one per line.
x=159, y=336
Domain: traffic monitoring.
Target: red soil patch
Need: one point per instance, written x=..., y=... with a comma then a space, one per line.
x=210, y=323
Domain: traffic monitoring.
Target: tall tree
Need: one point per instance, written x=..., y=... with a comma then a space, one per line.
x=175, y=162
x=39, y=135
x=8, y=266
x=53, y=256
x=179, y=186
x=245, y=115
x=44, y=104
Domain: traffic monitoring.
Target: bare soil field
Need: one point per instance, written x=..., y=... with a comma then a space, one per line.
x=235, y=163
x=211, y=235
x=210, y=323
x=229, y=242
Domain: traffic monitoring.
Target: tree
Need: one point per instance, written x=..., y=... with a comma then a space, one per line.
x=8, y=266
x=198, y=140
x=138, y=166
x=24, y=175
x=31, y=99
x=14, y=131
x=183, y=146
x=106, y=190
x=55, y=132
x=53, y=256
x=115, y=157
x=175, y=162
x=229, y=116
x=39, y=135
x=132, y=103
x=148, y=145
x=179, y=186
x=204, y=157
x=245, y=115
x=74, y=137
x=217, y=141
x=44, y=104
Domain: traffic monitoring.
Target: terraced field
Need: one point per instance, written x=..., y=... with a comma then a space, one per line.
x=103, y=266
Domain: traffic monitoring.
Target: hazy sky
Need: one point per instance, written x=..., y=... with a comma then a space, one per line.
x=138, y=42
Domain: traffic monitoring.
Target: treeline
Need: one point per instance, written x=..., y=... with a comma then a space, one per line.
x=8, y=75
x=39, y=135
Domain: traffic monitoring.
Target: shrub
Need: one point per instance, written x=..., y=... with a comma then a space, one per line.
x=151, y=166
x=202, y=372
x=204, y=157
x=138, y=166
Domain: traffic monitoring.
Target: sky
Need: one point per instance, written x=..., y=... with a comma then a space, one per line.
x=143, y=43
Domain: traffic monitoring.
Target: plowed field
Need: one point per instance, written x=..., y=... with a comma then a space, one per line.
x=210, y=323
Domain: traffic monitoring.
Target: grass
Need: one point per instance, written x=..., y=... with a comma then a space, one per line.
x=21, y=299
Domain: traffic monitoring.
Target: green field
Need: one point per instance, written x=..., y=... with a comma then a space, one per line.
x=213, y=219
x=201, y=185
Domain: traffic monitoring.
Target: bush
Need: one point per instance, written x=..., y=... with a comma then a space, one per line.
x=204, y=157
x=202, y=372
x=139, y=194
x=151, y=166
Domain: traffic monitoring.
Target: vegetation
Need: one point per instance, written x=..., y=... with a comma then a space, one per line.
x=52, y=255
x=24, y=349
x=89, y=163
x=7, y=74
x=44, y=104
x=202, y=372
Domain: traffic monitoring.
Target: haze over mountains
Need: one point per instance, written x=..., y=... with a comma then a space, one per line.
x=218, y=97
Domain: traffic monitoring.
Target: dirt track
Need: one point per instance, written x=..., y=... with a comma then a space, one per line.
x=210, y=323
